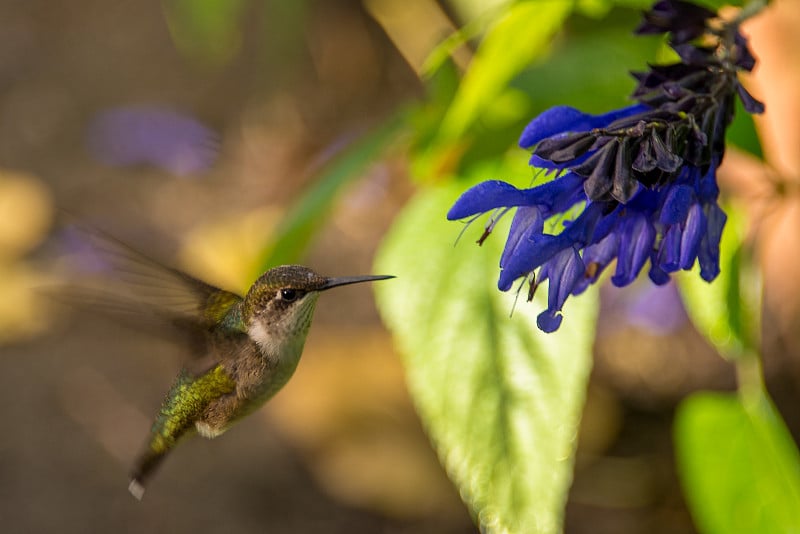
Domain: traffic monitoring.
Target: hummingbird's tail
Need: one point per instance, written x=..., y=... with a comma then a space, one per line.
x=144, y=468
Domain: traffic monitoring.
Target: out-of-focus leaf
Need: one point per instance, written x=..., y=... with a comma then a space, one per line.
x=206, y=30
x=311, y=210
x=590, y=70
x=519, y=36
x=727, y=311
x=443, y=51
x=500, y=399
x=738, y=465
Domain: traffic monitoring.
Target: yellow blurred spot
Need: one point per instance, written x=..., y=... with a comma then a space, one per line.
x=25, y=213
x=21, y=312
x=226, y=252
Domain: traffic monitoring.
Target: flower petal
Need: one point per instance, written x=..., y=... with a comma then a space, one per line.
x=563, y=271
x=693, y=232
x=549, y=321
x=484, y=197
x=676, y=205
x=708, y=253
x=527, y=223
x=596, y=258
x=636, y=242
x=669, y=252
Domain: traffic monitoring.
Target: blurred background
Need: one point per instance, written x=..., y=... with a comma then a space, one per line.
x=222, y=137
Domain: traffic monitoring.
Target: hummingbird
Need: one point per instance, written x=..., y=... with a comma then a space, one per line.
x=242, y=349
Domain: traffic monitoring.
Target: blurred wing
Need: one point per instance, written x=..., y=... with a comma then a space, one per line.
x=111, y=278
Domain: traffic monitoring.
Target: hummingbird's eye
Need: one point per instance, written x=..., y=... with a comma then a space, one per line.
x=288, y=294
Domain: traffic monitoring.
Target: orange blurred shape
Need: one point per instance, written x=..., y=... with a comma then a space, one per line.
x=348, y=410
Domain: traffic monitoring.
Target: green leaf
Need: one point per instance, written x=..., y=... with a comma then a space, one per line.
x=207, y=30
x=727, y=311
x=519, y=36
x=738, y=464
x=500, y=399
x=310, y=212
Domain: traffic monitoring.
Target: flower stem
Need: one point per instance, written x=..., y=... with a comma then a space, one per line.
x=749, y=10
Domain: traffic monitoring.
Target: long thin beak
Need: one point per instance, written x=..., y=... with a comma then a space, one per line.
x=346, y=280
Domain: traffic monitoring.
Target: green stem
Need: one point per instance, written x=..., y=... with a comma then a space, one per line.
x=750, y=378
x=750, y=10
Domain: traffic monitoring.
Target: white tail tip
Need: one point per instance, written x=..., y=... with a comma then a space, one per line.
x=136, y=489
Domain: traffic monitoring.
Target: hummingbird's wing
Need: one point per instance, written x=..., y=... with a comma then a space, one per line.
x=111, y=278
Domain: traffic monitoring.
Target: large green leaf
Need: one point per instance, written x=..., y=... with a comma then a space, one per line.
x=500, y=399
x=738, y=465
x=727, y=311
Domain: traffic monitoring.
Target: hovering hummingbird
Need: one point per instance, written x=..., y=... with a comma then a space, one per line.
x=243, y=350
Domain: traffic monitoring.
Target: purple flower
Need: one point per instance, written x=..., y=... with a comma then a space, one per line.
x=142, y=135
x=644, y=174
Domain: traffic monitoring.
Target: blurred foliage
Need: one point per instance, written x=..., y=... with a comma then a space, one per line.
x=508, y=46
x=206, y=30
x=738, y=464
x=305, y=218
x=500, y=400
x=727, y=311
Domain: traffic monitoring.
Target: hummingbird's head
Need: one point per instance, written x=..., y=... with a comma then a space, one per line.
x=280, y=304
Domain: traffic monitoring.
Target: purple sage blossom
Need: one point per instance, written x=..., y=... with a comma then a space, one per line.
x=645, y=175
x=159, y=137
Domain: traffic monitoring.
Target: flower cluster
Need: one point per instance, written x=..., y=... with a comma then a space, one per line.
x=644, y=175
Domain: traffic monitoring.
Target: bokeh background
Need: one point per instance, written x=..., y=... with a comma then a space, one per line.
x=193, y=130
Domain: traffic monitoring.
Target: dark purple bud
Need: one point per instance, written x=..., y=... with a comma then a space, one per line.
x=684, y=20
x=597, y=170
x=564, y=148
x=696, y=55
x=624, y=184
x=645, y=160
x=665, y=159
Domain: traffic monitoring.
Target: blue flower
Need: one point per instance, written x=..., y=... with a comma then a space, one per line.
x=643, y=178
x=671, y=228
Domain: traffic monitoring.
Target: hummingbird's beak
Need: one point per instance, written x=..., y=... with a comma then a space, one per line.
x=346, y=280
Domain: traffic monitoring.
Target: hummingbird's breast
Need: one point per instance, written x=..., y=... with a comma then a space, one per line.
x=259, y=366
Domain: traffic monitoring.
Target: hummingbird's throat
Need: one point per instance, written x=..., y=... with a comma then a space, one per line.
x=282, y=337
